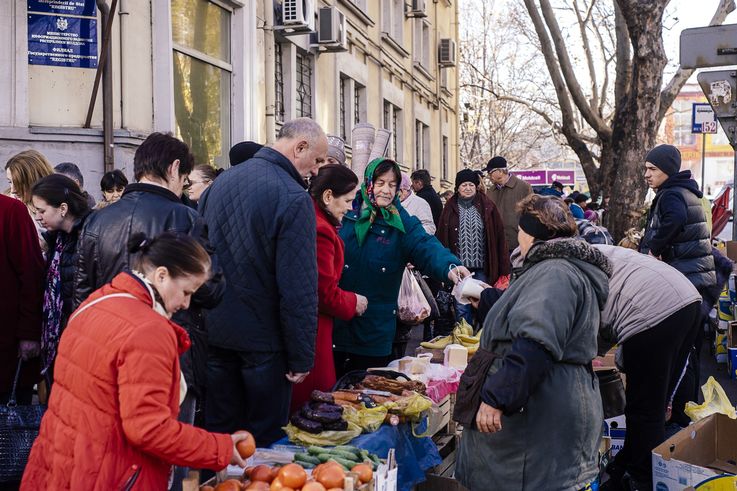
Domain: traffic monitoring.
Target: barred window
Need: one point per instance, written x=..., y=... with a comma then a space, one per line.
x=343, y=130
x=304, y=86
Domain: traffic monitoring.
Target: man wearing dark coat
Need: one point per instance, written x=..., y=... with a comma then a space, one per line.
x=262, y=336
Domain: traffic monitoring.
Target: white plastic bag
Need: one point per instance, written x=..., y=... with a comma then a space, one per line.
x=413, y=306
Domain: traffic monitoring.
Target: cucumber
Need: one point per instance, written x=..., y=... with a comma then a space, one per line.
x=313, y=450
x=341, y=464
x=375, y=459
x=324, y=457
x=303, y=458
x=344, y=455
x=347, y=464
x=349, y=448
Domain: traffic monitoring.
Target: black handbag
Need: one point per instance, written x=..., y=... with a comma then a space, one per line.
x=19, y=427
x=611, y=388
x=468, y=397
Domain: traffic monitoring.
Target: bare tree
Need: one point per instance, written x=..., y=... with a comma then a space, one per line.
x=603, y=64
x=490, y=125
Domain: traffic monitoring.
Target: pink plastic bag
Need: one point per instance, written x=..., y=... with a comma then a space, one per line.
x=413, y=306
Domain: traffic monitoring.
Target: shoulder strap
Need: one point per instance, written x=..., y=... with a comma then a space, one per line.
x=104, y=297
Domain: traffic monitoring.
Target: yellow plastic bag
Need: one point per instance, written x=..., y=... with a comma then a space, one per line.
x=369, y=419
x=715, y=401
x=322, y=439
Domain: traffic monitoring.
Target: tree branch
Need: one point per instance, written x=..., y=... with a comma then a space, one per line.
x=674, y=86
x=587, y=51
x=624, y=58
x=566, y=67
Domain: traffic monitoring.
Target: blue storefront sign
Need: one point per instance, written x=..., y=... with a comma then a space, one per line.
x=63, y=7
x=62, y=41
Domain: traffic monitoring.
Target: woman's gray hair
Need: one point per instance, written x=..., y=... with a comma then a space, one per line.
x=301, y=128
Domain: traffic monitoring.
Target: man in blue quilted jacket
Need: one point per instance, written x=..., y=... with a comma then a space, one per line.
x=262, y=335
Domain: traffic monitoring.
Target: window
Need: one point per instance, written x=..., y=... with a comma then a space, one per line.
x=393, y=123
x=304, y=85
x=682, y=128
x=359, y=103
x=279, y=82
x=444, y=168
x=202, y=78
x=344, y=82
x=422, y=43
x=422, y=145
x=392, y=12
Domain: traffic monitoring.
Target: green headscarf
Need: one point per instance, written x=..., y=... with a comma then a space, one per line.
x=368, y=214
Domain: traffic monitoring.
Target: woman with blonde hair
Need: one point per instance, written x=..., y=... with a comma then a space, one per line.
x=23, y=170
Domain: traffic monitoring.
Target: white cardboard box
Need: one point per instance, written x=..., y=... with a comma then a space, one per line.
x=700, y=451
x=615, y=429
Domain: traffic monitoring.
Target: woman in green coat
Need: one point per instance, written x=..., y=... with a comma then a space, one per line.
x=539, y=422
x=380, y=239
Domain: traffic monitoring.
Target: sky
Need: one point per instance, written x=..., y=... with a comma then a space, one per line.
x=684, y=14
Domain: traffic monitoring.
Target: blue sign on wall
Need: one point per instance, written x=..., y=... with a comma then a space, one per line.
x=62, y=41
x=63, y=7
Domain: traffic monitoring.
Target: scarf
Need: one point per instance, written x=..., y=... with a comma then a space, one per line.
x=368, y=210
x=52, y=308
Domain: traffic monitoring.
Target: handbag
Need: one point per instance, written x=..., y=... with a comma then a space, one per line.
x=611, y=389
x=468, y=398
x=19, y=427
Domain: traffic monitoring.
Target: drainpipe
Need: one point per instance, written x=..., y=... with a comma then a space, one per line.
x=123, y=14
x=269, y=71
x=107, y=84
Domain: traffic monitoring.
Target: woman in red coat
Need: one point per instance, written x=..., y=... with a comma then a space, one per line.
x=112, y=416
x=333, y=191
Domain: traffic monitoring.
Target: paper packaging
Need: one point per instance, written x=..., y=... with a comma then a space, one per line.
x=700, y=451
x=615, y=429
x=456, y=356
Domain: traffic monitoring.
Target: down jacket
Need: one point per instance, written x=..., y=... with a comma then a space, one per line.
x=262, y=226
x=112, y=416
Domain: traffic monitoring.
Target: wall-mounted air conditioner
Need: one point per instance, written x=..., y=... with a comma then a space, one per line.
x=447, y=52
x=331, y=32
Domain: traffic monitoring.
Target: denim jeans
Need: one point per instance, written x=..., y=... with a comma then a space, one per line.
x=467, y=311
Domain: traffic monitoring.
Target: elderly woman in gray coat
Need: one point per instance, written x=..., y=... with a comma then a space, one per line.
x=539, y=423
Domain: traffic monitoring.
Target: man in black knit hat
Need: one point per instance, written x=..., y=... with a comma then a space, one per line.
x=506, y=191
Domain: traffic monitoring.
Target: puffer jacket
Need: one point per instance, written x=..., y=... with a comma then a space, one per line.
x=112, y=417
x=262, y=225
x=67, y=264
x=677, y=231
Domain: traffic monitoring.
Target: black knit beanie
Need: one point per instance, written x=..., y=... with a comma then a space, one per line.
x=467, y=175
x=240, y=152
x=666, y=158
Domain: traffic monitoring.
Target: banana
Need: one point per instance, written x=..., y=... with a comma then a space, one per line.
x=438, y=343
x=472, y=349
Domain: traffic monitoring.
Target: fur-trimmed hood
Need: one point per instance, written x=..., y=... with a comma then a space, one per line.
x=586, y=258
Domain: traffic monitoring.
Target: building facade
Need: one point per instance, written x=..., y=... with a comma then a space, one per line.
x=216, y=72
x=718, y=153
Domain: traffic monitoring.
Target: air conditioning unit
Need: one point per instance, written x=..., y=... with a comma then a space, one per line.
x=447, y=52
x=417, y=9
x=331, y=32
x=298, y=15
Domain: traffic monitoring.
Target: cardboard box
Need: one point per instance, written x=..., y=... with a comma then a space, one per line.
x=732, y=363
x=732, y=250
x=616, y=429
x=698, y=452
x=732, y=335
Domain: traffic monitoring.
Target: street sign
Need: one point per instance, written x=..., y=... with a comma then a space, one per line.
x=703, y=119
x=720, y=88
x=712, y=46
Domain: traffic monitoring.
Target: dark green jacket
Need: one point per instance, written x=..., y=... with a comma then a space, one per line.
x=375, y=269
x=553, y=443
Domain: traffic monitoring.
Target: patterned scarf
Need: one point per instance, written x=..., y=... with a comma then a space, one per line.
x=369, y=211
x=52, y=308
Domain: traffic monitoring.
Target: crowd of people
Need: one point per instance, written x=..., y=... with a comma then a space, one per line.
x=193, y=303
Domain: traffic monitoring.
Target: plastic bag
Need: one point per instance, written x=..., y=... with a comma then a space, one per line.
x=324, y=438
x=715, y=401
x=369, y=419
x=413, y=307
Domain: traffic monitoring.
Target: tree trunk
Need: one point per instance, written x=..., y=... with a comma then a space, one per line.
x=636, y=122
